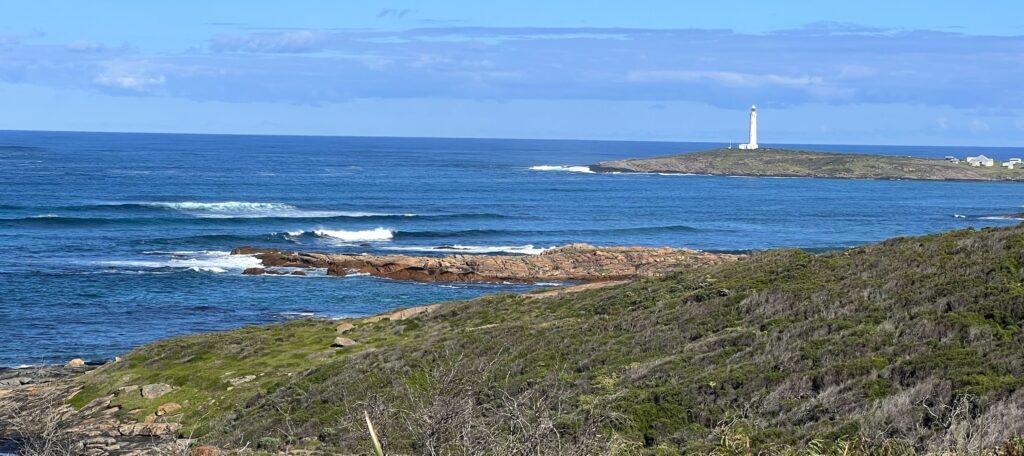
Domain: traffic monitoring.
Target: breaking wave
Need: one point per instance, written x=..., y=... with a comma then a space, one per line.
x=527, y=249
x=1012, y=217
x=214, y=261
x=571, y=169
x=245, y=209
x=376, y=234
x=479, y=233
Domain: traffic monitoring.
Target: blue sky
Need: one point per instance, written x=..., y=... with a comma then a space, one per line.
x=867, y=72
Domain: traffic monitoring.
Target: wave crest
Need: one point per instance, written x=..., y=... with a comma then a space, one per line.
x=214, y=261
x=247, y=209
x=527, y=249
x=566, y=168
x=376, y=234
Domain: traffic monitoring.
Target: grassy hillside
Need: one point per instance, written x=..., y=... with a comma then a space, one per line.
x=795, y=163
x=913, y=344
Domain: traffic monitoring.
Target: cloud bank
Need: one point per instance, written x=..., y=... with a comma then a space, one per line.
x=818, y=64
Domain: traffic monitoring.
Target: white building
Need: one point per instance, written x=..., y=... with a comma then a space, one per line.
x=752, y=144
x=1010, y=165
x=952, y=159
x=980, y=160
x=1015, y=161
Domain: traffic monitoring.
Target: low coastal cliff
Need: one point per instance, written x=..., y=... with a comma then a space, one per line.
x=769, y=162
x=575, y=262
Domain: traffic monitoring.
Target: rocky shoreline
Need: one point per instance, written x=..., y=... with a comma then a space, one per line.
x=570, y=263
x=34, y=401
x=37, y=419
x=773, y=162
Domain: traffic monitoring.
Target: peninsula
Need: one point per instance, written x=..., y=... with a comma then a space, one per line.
x=771, y=162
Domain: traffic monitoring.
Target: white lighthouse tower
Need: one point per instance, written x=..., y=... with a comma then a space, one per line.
x=752, y=144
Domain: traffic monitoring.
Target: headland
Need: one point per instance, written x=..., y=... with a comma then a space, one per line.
x=773, y=162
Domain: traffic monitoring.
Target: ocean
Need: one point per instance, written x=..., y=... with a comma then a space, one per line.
x=111, y=240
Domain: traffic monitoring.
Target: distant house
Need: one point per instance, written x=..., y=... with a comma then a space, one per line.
x=981, y=160
x=952, y=159
x=1009, y=165
x=1015, y=161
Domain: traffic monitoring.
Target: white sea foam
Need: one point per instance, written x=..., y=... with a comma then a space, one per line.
x=292, y=315
x=247, y=209
x=527, y=249
x=376, y=234
x=571, y=169
x=1000, y=217
x=959, y=216
x=214, y=261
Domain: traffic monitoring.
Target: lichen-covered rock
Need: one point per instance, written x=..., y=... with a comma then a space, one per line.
x=168, y=409
x=155, y=390
x=240, y=380
x=344, y=342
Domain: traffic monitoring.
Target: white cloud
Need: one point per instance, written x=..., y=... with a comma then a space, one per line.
x=293, y=41
x=85, y=46
x=130, y=76
x=978, y=126
x=726, y=78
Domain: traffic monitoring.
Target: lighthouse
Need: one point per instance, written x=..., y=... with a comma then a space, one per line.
x=752, y=144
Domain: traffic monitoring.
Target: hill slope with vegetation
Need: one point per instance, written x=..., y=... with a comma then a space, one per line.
x=912, y=344
x=769, y=162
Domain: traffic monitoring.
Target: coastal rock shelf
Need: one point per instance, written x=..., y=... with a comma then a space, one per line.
x=575, y=262
x=769, y=162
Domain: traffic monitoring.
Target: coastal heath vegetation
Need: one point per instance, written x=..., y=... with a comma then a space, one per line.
x=908, y=346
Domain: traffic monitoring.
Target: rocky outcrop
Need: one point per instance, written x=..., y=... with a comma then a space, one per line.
x=575, y=262
x=35, y=418
x=155, y=390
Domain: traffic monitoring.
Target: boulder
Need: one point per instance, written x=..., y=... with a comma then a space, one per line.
x=77, y=362
x=155, y=390
x=240, y=380
x=344, y=342
x=346, y=326
x=254, y=271
x=205, y=450
x=149, y=429
x=127, y=389
x=16, y=381
x=168, y=408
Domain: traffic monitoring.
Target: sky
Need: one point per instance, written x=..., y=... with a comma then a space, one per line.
x=913, y=72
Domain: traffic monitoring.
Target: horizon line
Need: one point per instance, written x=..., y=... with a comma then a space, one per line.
x=299, y=135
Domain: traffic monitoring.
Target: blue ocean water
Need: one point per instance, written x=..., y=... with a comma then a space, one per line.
x=113, y=240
